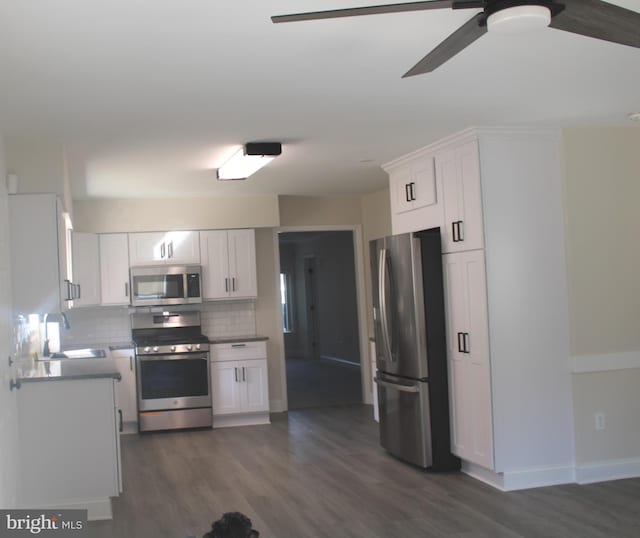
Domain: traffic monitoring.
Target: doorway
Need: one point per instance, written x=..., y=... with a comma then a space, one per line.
x=320, y=318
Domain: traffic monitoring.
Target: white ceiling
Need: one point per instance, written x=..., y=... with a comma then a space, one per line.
x=150, y=96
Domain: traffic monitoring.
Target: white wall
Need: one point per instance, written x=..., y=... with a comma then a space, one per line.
x=144, y=215
x=40, y=165
x=8, y=426
x=602, y=193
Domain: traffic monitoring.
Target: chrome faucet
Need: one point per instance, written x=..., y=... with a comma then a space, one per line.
x=65, y=324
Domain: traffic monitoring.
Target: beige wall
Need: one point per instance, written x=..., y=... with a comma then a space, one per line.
x=602, y=196
x=376, y=223
x=601, y=201
x=320, y=210
x=144, y=215
x=40, y=166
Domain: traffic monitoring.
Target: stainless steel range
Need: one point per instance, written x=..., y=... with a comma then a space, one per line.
x=172, y=366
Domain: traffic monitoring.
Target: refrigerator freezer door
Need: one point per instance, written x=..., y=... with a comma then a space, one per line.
x=405, y=429
x=399, y=306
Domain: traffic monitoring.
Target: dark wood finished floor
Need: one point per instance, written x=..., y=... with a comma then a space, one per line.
x=321, y=473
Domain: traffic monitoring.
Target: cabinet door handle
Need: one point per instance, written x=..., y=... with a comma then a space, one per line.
x=226, y=284
x=235, y=374
x=465, y=339
x=233, y=283
x=162, y=249
x=131, y=362
x=460, y=342
x=407, y=196
x=170, y=250
x=460, y=231
x=412, y=186
x=244, y=375
x=79, y=291
x=126, y=289
x=453, y=232
x=121, y=427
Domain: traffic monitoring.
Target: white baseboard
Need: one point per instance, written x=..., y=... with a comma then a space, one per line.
x=583, y=364
x=607, y=470
x=97, y=509
x=525, y=479
x=539, y=477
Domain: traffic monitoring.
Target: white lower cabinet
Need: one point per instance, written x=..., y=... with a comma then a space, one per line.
x=239, y=384
x=126, y=388
x=70, y=451
x=468, y=353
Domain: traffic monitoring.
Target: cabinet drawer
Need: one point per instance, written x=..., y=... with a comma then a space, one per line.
x=234, y=351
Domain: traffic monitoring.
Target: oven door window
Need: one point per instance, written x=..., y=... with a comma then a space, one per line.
x=150, y=287
x=176, y=378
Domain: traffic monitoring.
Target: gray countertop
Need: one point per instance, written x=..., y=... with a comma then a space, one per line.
x=229, y=339
x=66, y=369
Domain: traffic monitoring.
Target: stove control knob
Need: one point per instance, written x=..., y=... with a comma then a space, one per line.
x=189, y=347
x=173, y=348
x=155, y=349
x=147, y=349
x=198, y=347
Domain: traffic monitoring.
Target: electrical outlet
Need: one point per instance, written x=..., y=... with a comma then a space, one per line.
x=599, y=421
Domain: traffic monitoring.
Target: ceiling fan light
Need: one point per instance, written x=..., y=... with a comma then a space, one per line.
x=519, y=19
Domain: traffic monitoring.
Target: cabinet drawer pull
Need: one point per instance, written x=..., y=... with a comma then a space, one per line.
x=238, y=345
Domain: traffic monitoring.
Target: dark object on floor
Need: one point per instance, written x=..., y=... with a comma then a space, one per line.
x=232, y=525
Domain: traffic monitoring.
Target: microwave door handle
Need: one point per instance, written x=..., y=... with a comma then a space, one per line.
x=382, y=297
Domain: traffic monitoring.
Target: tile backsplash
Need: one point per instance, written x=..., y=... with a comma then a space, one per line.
x=110, y=325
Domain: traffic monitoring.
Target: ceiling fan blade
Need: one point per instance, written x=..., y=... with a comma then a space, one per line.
x=374, y=10
x=456, y=42
x=601, y=20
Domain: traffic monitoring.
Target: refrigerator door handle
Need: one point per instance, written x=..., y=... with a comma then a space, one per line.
x=382, y=293
x=401, y=388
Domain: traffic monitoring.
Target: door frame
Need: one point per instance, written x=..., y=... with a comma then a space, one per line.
x=363, y=338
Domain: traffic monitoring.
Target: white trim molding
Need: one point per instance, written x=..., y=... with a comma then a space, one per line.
x=525, y=479
x=584, y=364
x=607, y=470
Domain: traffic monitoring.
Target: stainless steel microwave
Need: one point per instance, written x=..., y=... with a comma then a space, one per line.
x=166, y=285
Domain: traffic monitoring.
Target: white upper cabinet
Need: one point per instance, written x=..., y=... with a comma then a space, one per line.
x=415, y=191
x=114, y=269
x=154, y=248
x=86, y=268
x=40, y=254
x=413, y=185
x=228, y=264
x=459, y=168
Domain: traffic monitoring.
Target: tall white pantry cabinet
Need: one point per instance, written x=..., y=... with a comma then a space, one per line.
x=496, y=195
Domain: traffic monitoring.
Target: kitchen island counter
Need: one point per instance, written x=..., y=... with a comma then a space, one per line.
x=66, y=369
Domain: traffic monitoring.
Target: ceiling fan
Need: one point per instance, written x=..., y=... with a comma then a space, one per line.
x=592, y=18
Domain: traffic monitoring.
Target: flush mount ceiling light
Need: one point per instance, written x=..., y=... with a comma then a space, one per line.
x=249, y=159
x=634, y=116
x=518, y=19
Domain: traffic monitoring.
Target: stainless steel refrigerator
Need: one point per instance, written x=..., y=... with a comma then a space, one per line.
x=411, y=358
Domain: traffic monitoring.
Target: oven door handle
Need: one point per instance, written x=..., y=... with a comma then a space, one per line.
x=176, y=357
